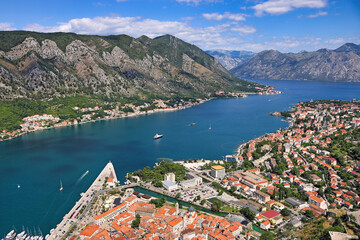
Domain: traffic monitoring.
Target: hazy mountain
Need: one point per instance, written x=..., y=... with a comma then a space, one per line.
x=230, y=59
x=341, y=64
x=60, y=64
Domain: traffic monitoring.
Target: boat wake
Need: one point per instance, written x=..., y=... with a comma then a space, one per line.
x=82, y=176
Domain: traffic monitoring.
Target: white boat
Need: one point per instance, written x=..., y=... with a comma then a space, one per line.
x=11, y=235
x=157, y=136
x=61, y=186
x=210, y=127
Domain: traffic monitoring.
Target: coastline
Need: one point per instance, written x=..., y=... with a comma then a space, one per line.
x=135, y=114
x=107, y=118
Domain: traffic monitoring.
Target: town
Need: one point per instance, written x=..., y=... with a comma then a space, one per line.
x=302, y=182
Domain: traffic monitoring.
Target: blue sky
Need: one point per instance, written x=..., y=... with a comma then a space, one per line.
x=255, y=25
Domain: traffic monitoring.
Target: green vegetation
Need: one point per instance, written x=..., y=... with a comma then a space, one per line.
x=12, y=112
x=136, y=222
x=285, y=212
x=267, y=236
x=159, y=202
x=247, y=213
x=157, y=174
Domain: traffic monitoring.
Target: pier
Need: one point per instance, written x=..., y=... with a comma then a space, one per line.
x=70, y=218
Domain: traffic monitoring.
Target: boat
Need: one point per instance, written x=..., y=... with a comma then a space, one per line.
x=11, y=235
x=210, y=127
x=18, y=185
x=157, y=136
x=192, y=124
x=61, y=186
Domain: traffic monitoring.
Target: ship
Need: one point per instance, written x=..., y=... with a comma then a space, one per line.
x=61, y=186
x=157, y=136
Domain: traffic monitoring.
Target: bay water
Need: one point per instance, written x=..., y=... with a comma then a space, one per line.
x=38, y=161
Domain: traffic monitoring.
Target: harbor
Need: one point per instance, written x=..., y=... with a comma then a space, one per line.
x=107, y=175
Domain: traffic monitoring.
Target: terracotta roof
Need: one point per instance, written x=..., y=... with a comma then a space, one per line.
x=89, y=230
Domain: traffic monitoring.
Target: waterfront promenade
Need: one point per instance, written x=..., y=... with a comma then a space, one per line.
x=71, y=217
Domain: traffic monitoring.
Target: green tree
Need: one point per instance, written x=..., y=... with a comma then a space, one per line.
x=285, y=212
x=136, y=222
x=267, y=236
x=247, y=213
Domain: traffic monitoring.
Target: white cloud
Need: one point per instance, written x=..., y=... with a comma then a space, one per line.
x=230, y=35
x=5, y=26
x=276, y=7
x=197, y=2
x=121, y=0
x=335, y=41
x=226, y=15
x=318, y=14
x=243, y=29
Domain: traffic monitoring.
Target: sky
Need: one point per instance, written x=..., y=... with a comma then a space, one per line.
x=253, y=25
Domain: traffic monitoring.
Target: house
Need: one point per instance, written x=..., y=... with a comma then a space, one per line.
x=261, y=197
x=317, y=202
x=89, y=231
x=265, y=225
x=348, y=205
x=339, y=201
x=273, y=216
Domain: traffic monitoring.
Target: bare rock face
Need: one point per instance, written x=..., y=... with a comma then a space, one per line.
x=49, y=50
x=59, y=64
x=342, y=64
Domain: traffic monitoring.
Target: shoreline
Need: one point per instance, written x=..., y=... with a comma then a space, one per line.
x=106, y=118
x=2, y=139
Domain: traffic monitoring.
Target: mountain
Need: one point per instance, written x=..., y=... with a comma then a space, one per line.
x=341, y=64
x=230, y=59
x=44, y=65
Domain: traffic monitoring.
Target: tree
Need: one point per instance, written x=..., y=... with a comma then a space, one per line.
x=285, y=212
x=216, y=205
x=177, y=195
x=232, y=189
x=267, y=236
x=247, y=213
x=203, y=202
x=309, y=213
x=158, y=202
x=136, y=222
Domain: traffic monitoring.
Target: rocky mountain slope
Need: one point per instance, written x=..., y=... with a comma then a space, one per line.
x=341, y=64
x=230, y=59
x=43, y=65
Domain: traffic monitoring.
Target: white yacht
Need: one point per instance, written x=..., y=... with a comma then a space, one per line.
x=61, y=186
x=157, y=136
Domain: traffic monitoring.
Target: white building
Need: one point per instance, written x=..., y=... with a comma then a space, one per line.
x=169, y=177
x=217, y=171
x=170, y=186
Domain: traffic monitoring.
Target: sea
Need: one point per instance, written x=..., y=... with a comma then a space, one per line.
x=32, y=166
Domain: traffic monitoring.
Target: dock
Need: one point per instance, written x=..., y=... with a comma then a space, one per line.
x=70, y=218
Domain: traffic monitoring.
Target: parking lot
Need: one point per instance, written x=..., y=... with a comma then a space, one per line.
x=203, y=190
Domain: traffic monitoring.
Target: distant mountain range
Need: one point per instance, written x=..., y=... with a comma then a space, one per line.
x=341, y=64
x=44, y=65
x=230, y=59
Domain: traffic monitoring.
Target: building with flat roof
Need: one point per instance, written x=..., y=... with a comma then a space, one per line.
x=170, y=186
x=253, y=180
x=296, y=202
x=217, y=171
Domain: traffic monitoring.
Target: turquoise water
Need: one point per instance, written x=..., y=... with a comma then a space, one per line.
x=38, y=161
